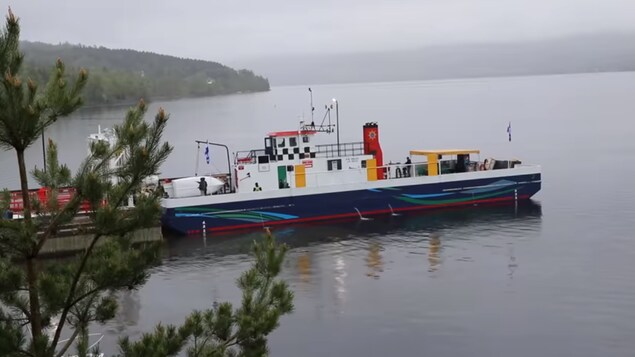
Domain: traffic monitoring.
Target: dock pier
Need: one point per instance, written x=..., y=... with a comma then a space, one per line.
x=77, y=236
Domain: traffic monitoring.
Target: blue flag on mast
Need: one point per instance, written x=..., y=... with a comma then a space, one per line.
x=509, y=131
x=207, y=154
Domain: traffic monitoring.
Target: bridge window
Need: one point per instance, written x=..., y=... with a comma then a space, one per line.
x=280, y=142
x=293, y=142
x=305, y=139
x=334, y=164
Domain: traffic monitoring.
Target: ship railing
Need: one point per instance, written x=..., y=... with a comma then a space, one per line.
x=445, y=167
x=343, y=149
x=248, y=157
x=392, y=171
x=64, y=195
x=356, y=175
x=397, y=170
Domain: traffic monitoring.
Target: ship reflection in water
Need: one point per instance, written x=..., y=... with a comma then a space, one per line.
x=512, y=220
x=434, y=245
x=351, y=270
x=342, y=249
x=374, y=260
x=304, y=267
x=340, y=273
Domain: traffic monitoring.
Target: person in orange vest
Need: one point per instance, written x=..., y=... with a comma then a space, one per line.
x=42, y=194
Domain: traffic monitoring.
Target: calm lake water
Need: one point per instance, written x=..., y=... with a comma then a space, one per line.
x=555, y=277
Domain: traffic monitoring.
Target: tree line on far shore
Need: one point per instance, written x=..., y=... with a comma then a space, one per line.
x=123, y=76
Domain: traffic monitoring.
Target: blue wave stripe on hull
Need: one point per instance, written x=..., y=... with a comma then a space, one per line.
x=491, y=187
x=428, y=195
x=279, y=215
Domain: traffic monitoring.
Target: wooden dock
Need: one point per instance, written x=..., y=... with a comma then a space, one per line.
x=77, y=235
x=78, y=239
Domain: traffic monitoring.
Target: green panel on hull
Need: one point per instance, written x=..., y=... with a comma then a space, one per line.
x=282, y=176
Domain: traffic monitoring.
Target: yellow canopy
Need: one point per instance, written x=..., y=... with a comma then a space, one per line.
x=445, y=152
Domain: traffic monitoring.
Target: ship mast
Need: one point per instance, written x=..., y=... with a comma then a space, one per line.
x=325, y=126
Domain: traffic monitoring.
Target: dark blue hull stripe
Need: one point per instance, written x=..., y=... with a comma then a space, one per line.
x=253, y=213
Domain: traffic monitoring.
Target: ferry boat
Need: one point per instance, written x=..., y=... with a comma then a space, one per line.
x=291, y=180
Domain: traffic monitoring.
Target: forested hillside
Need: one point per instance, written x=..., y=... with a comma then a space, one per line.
x=118, y=76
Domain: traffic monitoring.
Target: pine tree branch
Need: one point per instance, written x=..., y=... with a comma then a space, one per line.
x=68, y=343
x=15, y=303
x=236, y=341
x=68, y=208
x=14, y=247
x=78, y=274
x=24, y=310
x=87, y=294
x=80, y=269
x=72, y=289
x=14, y=319
x=95, y=290
x=26, y=353
x=198, y=351
x=78, y=329
x=54, y=224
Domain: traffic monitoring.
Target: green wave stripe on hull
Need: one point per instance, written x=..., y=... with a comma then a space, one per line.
x=455, y=200
x=251, y=216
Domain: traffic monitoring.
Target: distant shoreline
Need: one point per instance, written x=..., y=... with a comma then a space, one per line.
x=130, y=103
x=451, y=78
x=600, y=52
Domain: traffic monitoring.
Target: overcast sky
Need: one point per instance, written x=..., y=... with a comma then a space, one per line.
x=239, y=29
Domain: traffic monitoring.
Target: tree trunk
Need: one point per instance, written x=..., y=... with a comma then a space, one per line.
x=31, y=260
x=24, y=185
x=34, y=298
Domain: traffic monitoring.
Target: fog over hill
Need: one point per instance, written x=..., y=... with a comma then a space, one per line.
x=585, y=53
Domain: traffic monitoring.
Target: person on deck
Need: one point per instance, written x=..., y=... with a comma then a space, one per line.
x=406, y=169
x=202, y=186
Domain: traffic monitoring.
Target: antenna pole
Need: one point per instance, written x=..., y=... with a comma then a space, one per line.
x=312, y=107
x=43, y=151
x=229, y=165
x=337, y=124
x=198, y=150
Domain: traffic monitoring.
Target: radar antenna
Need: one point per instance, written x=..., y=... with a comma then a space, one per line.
x=325, y=126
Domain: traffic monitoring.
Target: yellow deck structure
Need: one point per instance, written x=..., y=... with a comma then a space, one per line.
x=433, y=157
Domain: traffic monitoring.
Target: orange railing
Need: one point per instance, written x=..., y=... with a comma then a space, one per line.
x=16, y=205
